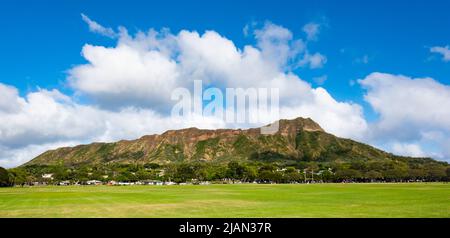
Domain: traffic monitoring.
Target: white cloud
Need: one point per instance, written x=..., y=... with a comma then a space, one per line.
x=124, y=76
x=444, y=51
x=97, y=28
x=312, y=30
x=210, y=57
x=413, y=150
x=411, y=110
x=314, y=61
x=277, y=44
x=144, y=69
x=10, y=101
x=400, y=99
x=249, y=27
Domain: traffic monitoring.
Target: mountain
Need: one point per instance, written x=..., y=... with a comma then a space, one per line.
x=299, y=139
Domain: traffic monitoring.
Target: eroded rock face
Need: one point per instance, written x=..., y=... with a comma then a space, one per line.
x=299, y=138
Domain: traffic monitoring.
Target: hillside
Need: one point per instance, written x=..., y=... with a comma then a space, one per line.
x=297, y=139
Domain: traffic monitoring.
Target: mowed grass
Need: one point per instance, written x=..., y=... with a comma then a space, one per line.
x=240, y=200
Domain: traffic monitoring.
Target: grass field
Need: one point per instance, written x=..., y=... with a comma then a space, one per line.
x=245, y=200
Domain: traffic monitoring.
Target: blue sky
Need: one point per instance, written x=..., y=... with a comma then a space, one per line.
x=42, y=41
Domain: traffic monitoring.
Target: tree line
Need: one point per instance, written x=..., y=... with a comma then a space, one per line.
x=234, y=171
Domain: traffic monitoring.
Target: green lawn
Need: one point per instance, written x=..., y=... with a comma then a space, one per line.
x=246, y=200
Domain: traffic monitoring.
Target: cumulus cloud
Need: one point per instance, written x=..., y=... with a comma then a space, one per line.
x=276, y=43
x=97, y=28
x=443, y=51
x=124, y=76
x=10, y=101
x=143, y=69
x=411, y=110
x=127, y=71
x=399, y=99
x=413, y=150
